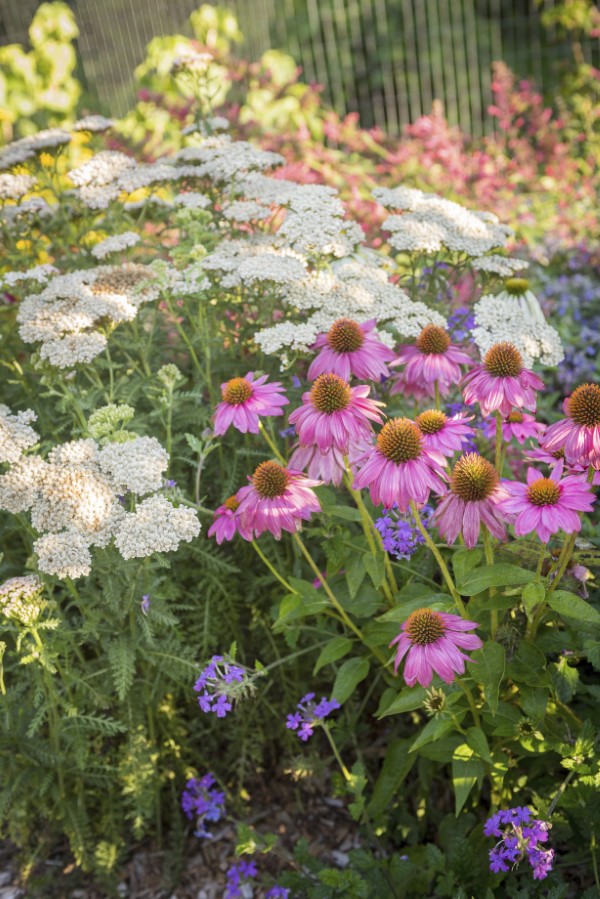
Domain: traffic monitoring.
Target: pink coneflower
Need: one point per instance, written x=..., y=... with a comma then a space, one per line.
x=441, y=433
x=473, y=499
x=579, y=434
x=245, y=400
x=552, y=459
x=277, y=499
x=433, y=358
x=547, y=505
x=348, y=349
x=519, y=425
x=400, y=468
x=399, y=383
x=433, y=641
x=501, y=382
x=335, y=414
x=226, y=522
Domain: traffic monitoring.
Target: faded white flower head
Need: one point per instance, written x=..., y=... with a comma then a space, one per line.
x=115, y=243
x=16, y=435
x=21, y=599
x=137, y=465
x=499, y=265
x=155, y=526
x=64, y=555
x=13, y=187
x=23, y=149
x=93, y=123
x=39, y=273
x=519, y=320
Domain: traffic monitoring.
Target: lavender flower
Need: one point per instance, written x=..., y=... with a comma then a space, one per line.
x=199, y=800
x=461, y=323
x=221, y=684
x=520, y=836
x=236, y=875
x=277, y=892
x=145, y=603
x=399, y=533
x=309, y=715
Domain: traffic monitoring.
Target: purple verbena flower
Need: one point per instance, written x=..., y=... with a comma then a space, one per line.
x=201, y=801
x=222, y=683
x=277, y=892
x=520, y=837
x=399, y=533
x=235, y=876
x=309, y=715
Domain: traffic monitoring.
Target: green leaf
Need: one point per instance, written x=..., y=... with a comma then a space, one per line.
x=294, y=607
x=375, y=566
x=477, y=741
x=533, y=595
x=396, y=767
x=500, y=575
x=565, y=679
x=348, y=678
x=528, y=666
x=487, y=668
x=592, y=651
x=534, y=701
x=464, y=561
x=466, y=770
x=335, y=649
x=348, y=513
x=304, y=588
x=355, y=574
x=196, y=445
x=571, y=606
x=436, y=728
x=409, y=699
x=121, y=658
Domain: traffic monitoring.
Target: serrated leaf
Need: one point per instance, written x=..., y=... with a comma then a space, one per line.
x=487, y=668
x=348, y=678
x=572, y=606
x=121, y=657
x=336, y=649
x=196, y=445
x=396, y=767
x=499, y=575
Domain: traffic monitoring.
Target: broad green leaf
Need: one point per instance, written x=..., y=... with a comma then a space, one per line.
x=348, y=513
x=487, y=668
x=565, y=679
x=409, y=604
x=503, y=723
x=442, y=750
x=464, y=561
x=303, y=588
x=572, y=606
x=355, y=574
x=294, y=607
x=477, y=741
x=375, y=566
x=500, y=575
x=409, y=699
x=436, y=728
x=592, y=651
x=336, y=649
x=534, y=701
x=485, y=603
x=466, y=770
x=348, y=678
x=528, y=666
x=532, y=595
x=395, y=768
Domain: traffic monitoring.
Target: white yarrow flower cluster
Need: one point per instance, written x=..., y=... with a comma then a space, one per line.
x=39, y=273
x=93, y=123
x=13, y=187
x=21, y=150
x=520, y=321
x=21, y=599
x=499, y=265
x=430, y=223
x=73, y=498
x=16, y=434
x=115, y=243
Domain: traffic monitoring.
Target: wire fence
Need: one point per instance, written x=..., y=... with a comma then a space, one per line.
x=388, y=60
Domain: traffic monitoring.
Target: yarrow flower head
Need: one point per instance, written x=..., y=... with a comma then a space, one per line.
x=226, y=521
x=201, y=801
x=399, y=533
x=349, y=348
x=277, y=499
x=335, y=414
x=501, y=382
x=400, y=468
x=443, y=434
x=432, y=643
x=433, y=358
x=309, y=715
x=547, y=505
x=221, y=684
x=245, y=400
x=520, y=837
x=578, y=434
x=472, y=500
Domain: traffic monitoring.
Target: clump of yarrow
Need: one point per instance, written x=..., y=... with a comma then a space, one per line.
x=74, y=497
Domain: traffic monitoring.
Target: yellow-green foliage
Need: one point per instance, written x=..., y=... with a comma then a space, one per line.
x=38, y=88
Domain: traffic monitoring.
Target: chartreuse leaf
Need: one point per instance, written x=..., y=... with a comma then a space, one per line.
x=396, y=766
x=487, y=668
x=477, y=741
x=436, y=728
x=348, y=678
x=500, y=575
x=572, y=606
x=334, y=650
x=409, y=699
x=466, y=770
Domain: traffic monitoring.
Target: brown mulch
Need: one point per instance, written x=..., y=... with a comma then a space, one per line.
x=291, y=809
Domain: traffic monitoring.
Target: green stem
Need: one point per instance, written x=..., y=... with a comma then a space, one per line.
x=560, y=792
x=471, y=702
x=489, y=558
x=565, y=558
x=540, y=563
x=169, y=421
x=438, y=557
x=499, y=443
x=338, y=758
x=336, y=603
x=594, y=860
x=271, y=443
x=438, y=401
x=271, y=568
x=390, y=587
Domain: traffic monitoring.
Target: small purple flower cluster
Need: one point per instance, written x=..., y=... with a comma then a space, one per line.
x=277, y=892
x=520, y=838
x=399, y=533
x=237, y=875
x=219, y=684
x=461, y=323
x=199, y=800
x=309, y=714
